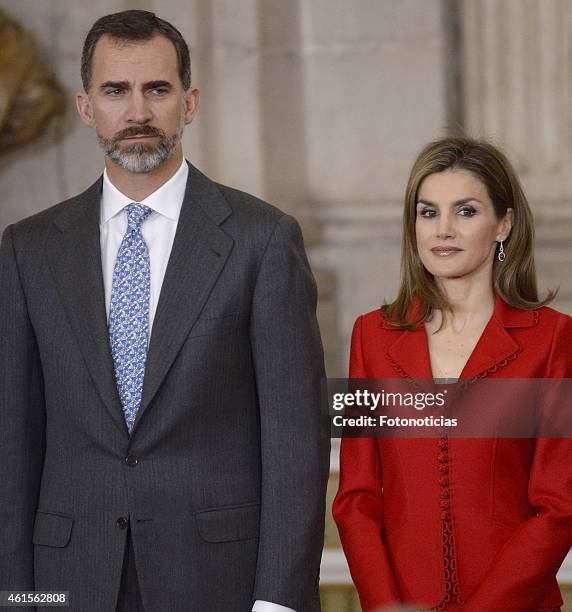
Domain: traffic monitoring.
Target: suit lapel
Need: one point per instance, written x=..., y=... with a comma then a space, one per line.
x=409, y=354
x=74, y=254
x=496, y=346
x=410, y=351
x=200, y=251
x=493, y=348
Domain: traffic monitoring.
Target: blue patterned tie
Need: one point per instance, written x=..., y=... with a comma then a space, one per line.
x=129, y=312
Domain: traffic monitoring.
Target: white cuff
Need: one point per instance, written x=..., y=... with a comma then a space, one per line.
x=266, y=606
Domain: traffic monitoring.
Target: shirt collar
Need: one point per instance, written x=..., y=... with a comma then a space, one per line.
x=167, y=200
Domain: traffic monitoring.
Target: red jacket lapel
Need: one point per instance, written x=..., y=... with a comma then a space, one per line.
x=409, y=353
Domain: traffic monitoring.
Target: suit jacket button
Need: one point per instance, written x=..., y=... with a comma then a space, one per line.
x=122, y=522
x=131, y=460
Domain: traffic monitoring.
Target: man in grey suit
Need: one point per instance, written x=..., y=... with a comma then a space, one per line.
x=160, y=369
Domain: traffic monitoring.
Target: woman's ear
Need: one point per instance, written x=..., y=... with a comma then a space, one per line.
x=505, y=225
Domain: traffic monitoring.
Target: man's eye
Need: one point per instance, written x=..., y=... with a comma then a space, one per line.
x=114, y=92
x=467, y=211
x=160, y=90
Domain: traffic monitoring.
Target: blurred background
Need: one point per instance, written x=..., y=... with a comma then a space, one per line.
x=320, y=107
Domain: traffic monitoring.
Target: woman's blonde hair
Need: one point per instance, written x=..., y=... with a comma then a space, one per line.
x=513, y=279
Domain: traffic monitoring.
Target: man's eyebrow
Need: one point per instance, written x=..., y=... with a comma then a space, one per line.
x=156, y=84
x=114, y=85
x=457, y=203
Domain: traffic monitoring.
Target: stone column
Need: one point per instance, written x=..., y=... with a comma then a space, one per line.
x=225, y=141
x=374, y=95
x=517, y=59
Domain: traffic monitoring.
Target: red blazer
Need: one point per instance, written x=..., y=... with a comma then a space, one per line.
x=483, y=523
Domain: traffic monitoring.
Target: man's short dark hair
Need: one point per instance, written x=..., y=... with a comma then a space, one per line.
x=134, y=25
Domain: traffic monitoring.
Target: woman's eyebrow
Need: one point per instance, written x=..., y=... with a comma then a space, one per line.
x=457, y=203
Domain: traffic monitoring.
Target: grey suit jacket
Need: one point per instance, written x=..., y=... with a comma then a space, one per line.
x=223, y=478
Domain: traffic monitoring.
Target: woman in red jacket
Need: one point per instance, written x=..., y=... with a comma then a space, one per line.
x=481, y=525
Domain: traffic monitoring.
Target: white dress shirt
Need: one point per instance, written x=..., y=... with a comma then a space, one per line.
x=158, y=231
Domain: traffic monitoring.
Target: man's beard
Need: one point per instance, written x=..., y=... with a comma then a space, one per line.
x=141, y=157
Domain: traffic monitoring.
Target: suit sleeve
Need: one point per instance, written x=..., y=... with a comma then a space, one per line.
x=21, y=426
x=358, y=507
x=525, y=569
x=289, y=366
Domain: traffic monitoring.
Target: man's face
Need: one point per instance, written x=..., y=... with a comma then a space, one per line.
x=136, y=101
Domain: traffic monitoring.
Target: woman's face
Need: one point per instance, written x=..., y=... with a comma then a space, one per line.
x=456, y=226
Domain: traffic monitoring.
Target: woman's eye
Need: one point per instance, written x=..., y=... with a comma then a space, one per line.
x=467, y=211
x=427, y=212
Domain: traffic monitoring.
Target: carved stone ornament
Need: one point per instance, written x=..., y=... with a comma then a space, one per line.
x=29, y=97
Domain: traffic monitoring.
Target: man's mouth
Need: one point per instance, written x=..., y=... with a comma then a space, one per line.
x=131, y=135
x=139, y=137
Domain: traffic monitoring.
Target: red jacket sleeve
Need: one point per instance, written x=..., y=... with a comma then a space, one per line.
x=358, y=508
x=525, y=568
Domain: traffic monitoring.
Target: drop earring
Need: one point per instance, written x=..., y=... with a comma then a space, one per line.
x=502, y=255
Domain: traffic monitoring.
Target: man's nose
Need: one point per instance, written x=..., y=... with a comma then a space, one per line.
x=138, y=110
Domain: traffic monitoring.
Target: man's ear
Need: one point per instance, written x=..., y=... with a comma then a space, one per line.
x=192, y=100
x=85, y=108
x=505, y=225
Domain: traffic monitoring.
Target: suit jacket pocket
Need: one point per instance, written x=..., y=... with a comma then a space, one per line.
x=52, y=529
x=206, y=326
x=229, y=523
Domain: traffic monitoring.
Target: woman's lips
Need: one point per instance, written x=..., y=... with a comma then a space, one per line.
x=445, y=251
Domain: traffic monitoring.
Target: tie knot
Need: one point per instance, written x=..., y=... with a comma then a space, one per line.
x=136, y=214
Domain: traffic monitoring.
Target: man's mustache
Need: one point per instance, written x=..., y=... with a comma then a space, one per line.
x=145, y=130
